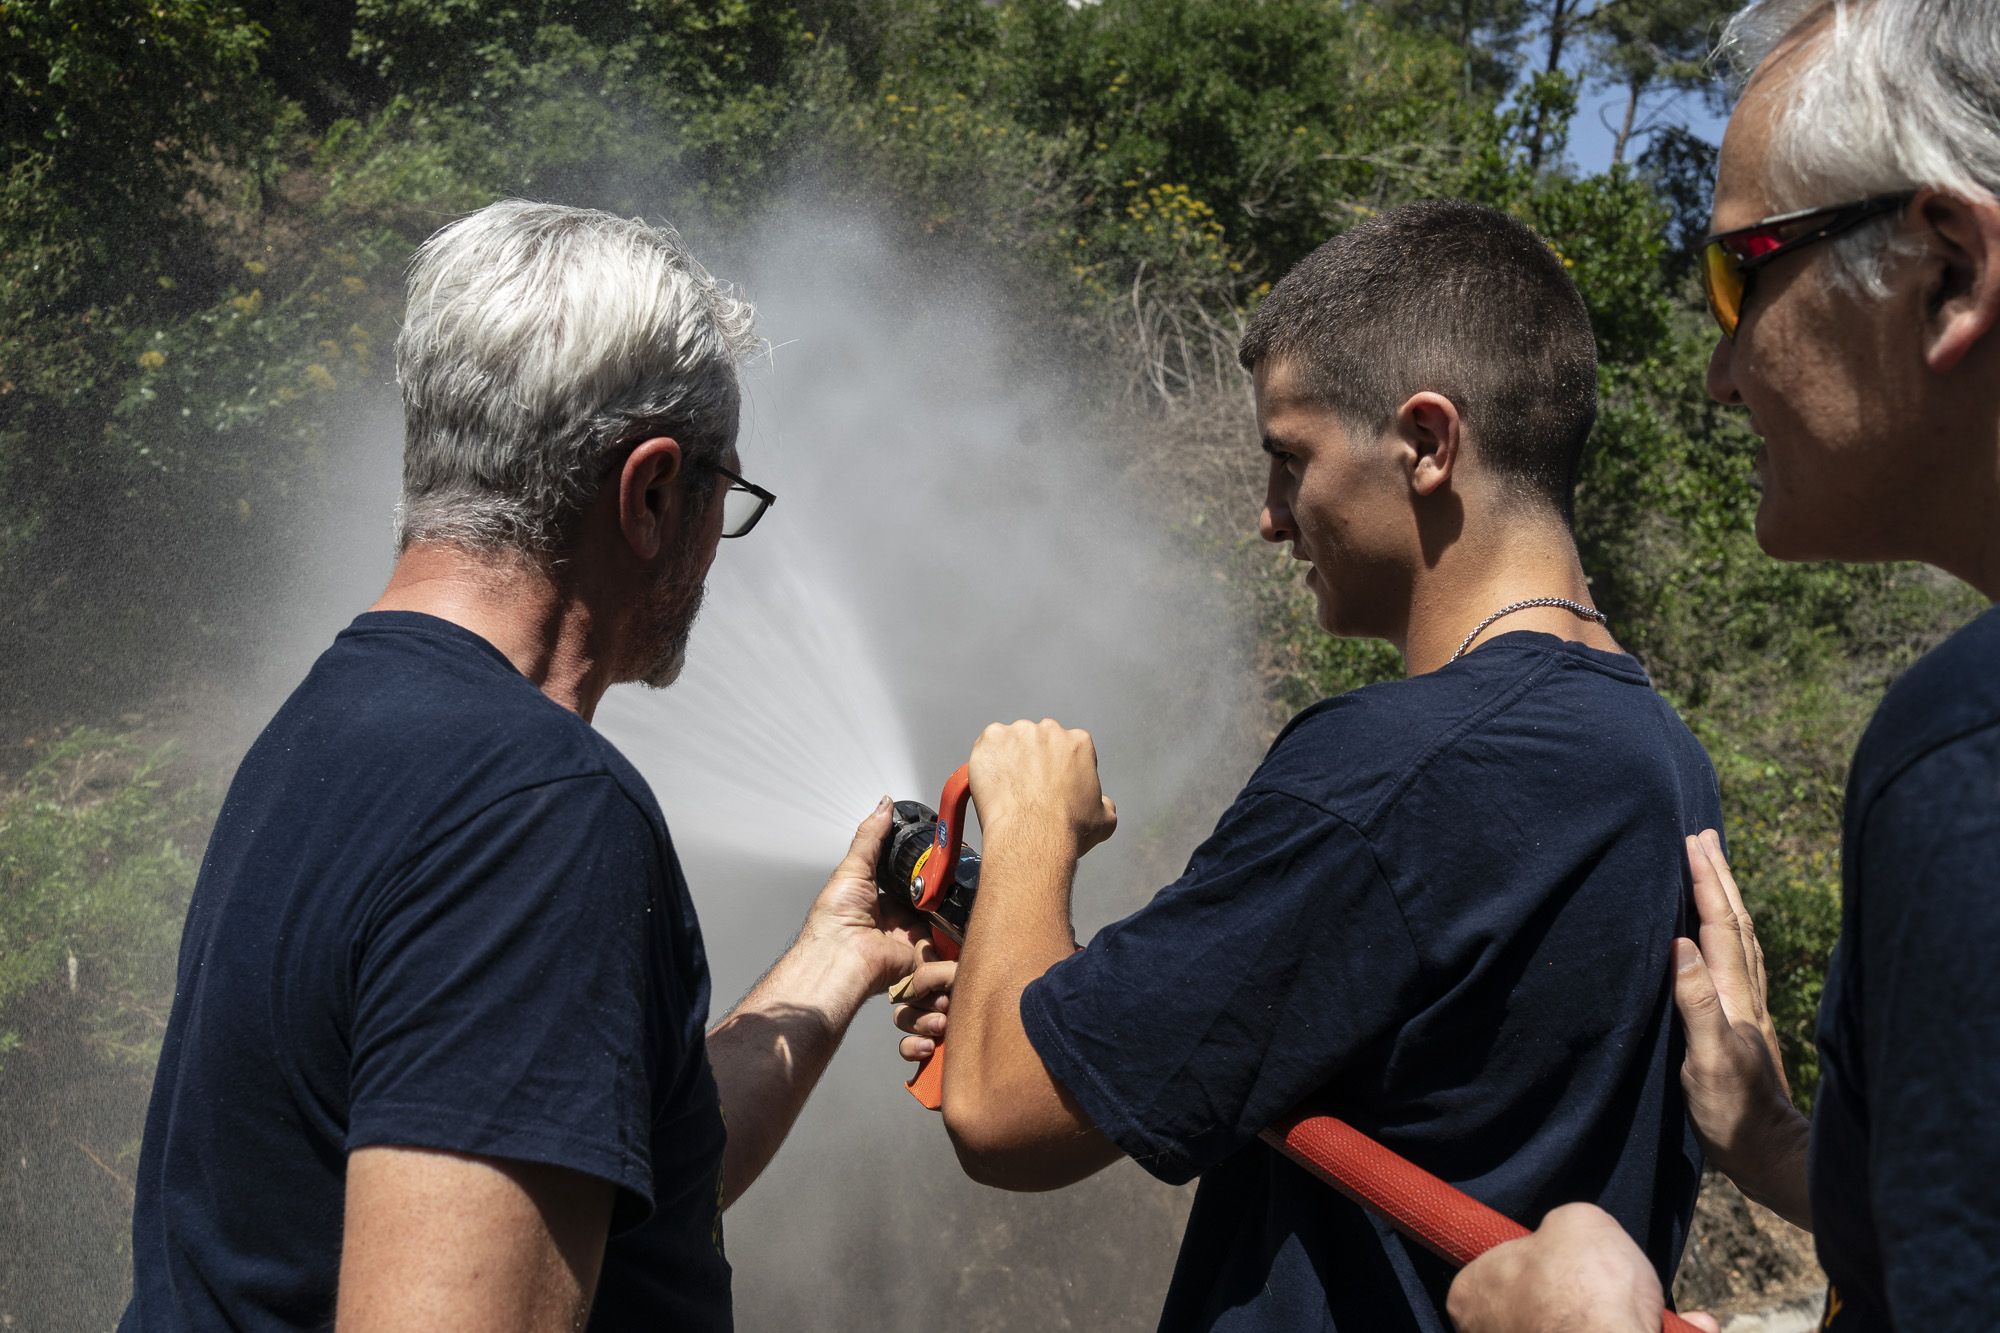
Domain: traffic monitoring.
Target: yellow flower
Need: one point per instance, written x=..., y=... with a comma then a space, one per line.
x=249, y=305
x=319, y=377
x=891, y=97
x=354, y=285
x=256, y=266
x=152, y=359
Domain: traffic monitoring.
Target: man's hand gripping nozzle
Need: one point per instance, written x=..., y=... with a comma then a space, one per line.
x=927, y=868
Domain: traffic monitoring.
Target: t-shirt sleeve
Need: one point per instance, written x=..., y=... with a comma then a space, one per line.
x=502, y=994
x=1931, y=1035
x=1272, y=965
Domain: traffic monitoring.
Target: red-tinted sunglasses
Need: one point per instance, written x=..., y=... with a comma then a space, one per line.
x=1730, y=259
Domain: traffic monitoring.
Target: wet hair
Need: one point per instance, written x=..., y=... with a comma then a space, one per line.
x=1456, y=299
x=537, y=340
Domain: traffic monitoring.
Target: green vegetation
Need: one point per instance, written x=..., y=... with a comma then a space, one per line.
x=98, y=850
x=206, y=203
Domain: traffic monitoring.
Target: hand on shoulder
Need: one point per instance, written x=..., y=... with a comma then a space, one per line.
x=1733, y=1074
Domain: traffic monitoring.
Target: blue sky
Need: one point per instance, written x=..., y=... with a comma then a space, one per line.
x=1595, y=128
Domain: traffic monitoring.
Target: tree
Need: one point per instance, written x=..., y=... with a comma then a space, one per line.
x=1647, y=47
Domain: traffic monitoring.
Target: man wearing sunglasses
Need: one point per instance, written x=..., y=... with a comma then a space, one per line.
x=437, y=1056
x=1855, y=274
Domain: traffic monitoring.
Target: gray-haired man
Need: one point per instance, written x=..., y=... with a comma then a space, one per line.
x=1856, y=276
x=436, y=1057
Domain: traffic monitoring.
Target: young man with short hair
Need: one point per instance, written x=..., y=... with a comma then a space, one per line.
x=1435, y=906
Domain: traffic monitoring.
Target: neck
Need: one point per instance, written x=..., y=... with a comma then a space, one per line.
x=1466, y=585
x=545, y=628
x=1963, y=534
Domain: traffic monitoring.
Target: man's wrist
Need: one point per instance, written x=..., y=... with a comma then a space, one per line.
x=1045, y=835
x=823, y=975
x=1768, y=1163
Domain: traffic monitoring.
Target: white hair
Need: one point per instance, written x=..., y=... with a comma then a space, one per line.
x=538, y=338
x=1887, y=96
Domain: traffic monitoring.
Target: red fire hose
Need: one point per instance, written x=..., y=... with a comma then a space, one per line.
x=1448, y=1222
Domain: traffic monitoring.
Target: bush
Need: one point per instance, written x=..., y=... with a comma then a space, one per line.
x=98, y=852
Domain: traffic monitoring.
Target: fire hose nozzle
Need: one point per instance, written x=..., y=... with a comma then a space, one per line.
x=926, y=868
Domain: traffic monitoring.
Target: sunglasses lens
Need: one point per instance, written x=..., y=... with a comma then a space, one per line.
x=1723, y=281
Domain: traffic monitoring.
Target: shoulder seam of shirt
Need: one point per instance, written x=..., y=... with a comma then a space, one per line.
x=401, y=861
x=1902, y=766
x=1374, y=856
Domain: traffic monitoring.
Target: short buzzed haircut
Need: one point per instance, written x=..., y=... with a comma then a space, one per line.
x=1456, y=299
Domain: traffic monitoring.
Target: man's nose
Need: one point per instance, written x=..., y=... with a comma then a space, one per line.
x=1721, y=382
x=1275, y=523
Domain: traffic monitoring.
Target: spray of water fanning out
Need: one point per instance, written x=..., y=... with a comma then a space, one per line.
x=951, y=546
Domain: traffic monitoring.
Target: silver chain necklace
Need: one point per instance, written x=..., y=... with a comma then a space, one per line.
x=1587, y=612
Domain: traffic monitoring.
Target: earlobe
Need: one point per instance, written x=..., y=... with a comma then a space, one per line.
x=1962, y=297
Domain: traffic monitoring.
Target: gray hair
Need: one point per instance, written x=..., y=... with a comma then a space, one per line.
x=1893, y=95
x=536, y=339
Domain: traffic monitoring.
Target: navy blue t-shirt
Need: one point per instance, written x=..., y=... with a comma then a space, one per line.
x=1443, y=910
x=438, y=910
x=1905, y=1160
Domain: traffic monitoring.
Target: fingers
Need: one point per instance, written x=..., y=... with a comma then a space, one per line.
x=1722, y=928
x=866, y=848
x=919, y=1021
x=1101, y=830
x=1708, y=1029
x=1745, y=926
x=931, y=981
x=922, y=998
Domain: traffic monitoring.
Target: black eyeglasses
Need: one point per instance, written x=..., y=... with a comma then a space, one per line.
x=743, y=504
x=1730, y=259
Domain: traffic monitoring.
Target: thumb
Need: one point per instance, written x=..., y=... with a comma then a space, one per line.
x=866, y=849
x=1695, y=996
x=1705, y=1322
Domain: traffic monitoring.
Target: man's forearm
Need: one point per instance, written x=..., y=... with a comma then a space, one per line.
x=771, y=1049
x=1021, y=926
x=1013, y=1126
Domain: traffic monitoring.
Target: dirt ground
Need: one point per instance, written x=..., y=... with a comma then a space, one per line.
x=1742, y=1258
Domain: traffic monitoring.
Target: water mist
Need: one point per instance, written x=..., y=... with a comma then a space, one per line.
x=951, y=546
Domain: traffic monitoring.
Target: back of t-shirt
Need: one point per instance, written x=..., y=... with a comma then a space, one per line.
x=437, y=910
x=1906, y=1212
x=1442, y=909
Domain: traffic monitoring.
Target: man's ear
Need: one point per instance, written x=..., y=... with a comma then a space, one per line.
x=1431, y=433
x=649, y=495
x=1961, y=267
